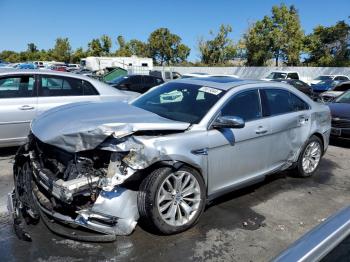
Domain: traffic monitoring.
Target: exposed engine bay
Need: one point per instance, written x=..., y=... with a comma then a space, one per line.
x=95, y=189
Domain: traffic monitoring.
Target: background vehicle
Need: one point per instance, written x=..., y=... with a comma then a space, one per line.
x=167, y=157
x=282, y=75
x=136, y=83
x=340, y=110
x=100, y=63
x=328, y=77
x=298, y=84
x=25, y=94
x=72, y=67
x=335, y=91
x=325, y=85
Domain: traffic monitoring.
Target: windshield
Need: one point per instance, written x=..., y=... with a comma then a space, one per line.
x=344, y=98
x=277, y=75
x=323, y=78
x=180, y=102
x=328, y=82
x=118, y=80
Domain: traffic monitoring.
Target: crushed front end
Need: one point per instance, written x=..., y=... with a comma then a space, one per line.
x=88, y=189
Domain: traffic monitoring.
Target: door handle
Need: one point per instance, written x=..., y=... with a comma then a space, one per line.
x=303, y=119
x=26, y=107
x=261, y=130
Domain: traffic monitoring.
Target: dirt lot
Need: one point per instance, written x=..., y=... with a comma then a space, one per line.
x=253, y=224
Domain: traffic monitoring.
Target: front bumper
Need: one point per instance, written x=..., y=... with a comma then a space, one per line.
x=111, y=214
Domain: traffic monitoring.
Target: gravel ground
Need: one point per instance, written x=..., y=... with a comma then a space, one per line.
x=253, y=224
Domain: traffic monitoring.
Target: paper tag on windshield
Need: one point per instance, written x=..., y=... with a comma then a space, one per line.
x=210, y=90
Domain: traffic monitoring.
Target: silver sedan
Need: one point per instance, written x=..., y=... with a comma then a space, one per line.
x=165, y=154
x=25, y=94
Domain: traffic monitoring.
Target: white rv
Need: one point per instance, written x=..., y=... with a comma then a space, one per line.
x=133, y=64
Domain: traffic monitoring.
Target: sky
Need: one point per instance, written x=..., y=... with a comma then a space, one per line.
x=42, y=21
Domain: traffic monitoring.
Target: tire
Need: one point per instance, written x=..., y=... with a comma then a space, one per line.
x=157, y=202
x=314, y=143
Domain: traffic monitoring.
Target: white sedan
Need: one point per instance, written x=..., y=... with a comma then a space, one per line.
x=24, y=94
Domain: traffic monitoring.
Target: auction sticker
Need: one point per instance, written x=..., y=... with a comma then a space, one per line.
x=210, y=90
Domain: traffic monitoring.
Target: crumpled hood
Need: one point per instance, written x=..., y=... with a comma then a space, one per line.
x=83, y=126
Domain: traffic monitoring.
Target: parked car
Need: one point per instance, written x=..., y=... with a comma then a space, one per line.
x=335, y=91
x=298, y=84
x=136, y=83
x=102, y=166
x=329, y=77
x=26, y=93
x=340, y=110
x=26, y=66
x=72, y=67
x=166, y=76
x=325, y=85
x=282, y=75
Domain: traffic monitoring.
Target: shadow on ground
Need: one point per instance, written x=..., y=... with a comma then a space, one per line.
x=340, y=142
x=8, y=151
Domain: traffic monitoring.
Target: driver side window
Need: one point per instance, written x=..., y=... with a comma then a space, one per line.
x=245, y=105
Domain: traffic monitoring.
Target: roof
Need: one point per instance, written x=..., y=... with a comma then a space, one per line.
x=42, y=72
x=223, y=83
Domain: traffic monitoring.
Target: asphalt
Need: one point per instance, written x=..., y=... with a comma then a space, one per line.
x=253, y=224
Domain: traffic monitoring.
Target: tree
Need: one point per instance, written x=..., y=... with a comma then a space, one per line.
x=32, y=48
x=106, y=44
x=123, y=49
x=286, y=34
x=95, y=48
x=138, y=48
x=279, y=36
x=62, y=50
x=166, y=48
x=220, y=49
x=77, y=55
x=329, y=46
x=257, y=43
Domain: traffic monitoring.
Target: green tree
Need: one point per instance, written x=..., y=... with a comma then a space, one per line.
x=95, y=48
x=138, y=48
x=123, y=48
x=32, y=48
x=77, y=55
x=106, y=44
x=166, y=48
x=279, y=35
x=62, y=50
x=257, y=43
x=329, y=46
x=220, y=49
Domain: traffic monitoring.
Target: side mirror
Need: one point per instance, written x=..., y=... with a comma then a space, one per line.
x=228, y=122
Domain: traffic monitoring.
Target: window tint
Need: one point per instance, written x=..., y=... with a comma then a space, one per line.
x=65, y=86
x=276, y=102
x=159, y=81
x=17, y=86
x=342, y=88
x=148, y=80
x=245, y=105
x=293, y=76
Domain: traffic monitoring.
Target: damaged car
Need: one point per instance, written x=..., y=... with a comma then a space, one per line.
x=161, y=158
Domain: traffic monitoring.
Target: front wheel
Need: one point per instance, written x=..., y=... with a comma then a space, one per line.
x=172, y=201
x=310, y=157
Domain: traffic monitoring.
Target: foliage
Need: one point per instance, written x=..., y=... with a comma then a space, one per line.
x=106, y=44
x=279, y=36
x=220, y=49
x=95, y=47
x=166, y=48
x=329, y=46
x=62, y=50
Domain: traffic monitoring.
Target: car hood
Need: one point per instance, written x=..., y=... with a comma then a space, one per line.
x=341, y=110
x=84, y=126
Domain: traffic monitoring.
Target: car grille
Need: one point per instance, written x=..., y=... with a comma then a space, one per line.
x=341, y=123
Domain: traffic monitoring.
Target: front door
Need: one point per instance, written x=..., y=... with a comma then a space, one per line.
x=18, y=105
x=237, y=156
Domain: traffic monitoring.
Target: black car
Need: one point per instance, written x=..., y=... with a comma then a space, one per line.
x=340, y=110
x=136, y=83
x=298, y=84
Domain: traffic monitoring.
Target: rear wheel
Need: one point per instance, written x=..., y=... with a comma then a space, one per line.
x=172, y=201
x=310, y=157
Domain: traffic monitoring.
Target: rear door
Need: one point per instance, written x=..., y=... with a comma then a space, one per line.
x=58, y=90
x=289, y=119
x=18, y=100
